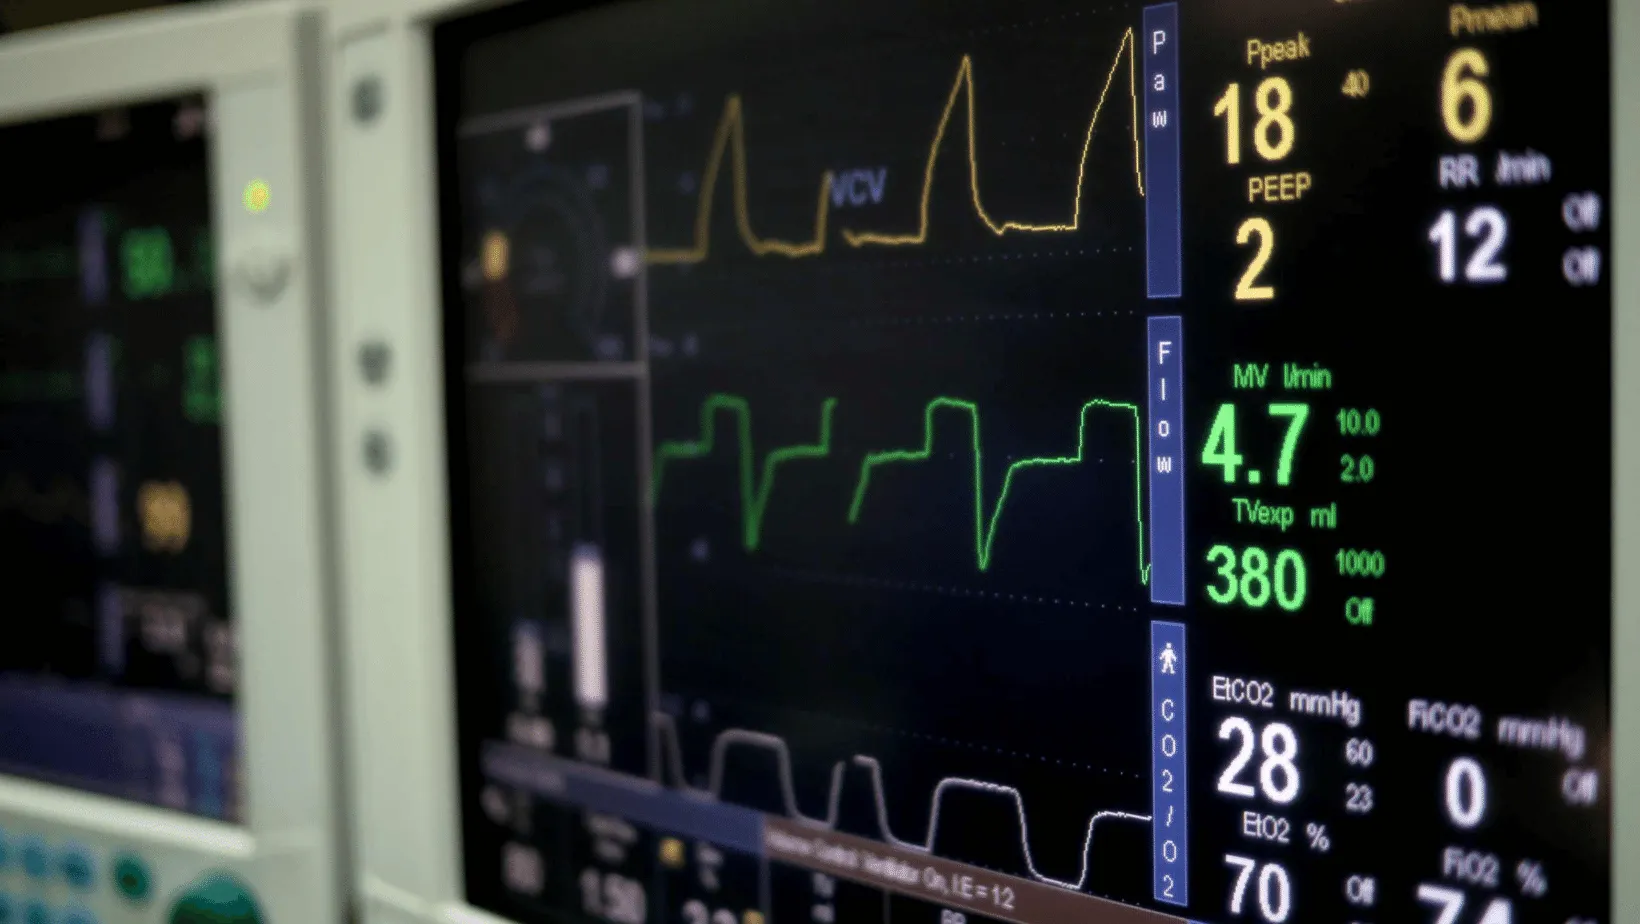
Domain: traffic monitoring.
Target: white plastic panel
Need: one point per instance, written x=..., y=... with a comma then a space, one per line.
x=75, y=858
x=390, y=462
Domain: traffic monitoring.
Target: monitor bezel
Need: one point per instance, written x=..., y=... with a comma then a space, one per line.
x=410, y=863
x=253, y=62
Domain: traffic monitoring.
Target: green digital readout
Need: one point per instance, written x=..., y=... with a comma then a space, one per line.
x=201, y=393
x=1356, y=469
x=1354, y=421
x=1254, y=577
x=1221, y=442
x=1360, y=563
x=150, y=265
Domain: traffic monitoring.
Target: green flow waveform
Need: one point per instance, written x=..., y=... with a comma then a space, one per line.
x=754, y=492
x=985, y=527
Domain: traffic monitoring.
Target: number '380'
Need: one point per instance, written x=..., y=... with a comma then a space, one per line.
x=1250, y=577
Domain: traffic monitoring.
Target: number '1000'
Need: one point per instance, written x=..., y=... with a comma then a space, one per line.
x=1368, y=563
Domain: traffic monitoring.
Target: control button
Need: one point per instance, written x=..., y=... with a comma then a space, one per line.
x=36, y=859
x=367, y=99
x=8, y=909
x=36, y=912
x=131, y=877
x=79, y=869
x=378, y=452
x=375, y=357
x=216, y=898
x=77, y=914
x=263, y=272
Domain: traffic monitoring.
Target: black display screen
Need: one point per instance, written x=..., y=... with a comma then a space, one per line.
x=1035, y=462
x=117, y=673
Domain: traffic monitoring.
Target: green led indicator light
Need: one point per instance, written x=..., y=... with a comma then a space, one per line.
x=256, y=196
x=201, y=390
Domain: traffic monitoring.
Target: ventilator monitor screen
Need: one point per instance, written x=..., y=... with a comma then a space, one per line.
x=1037, y=461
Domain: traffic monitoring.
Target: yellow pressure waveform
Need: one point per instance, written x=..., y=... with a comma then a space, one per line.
x=730, y=139
x=732, y=128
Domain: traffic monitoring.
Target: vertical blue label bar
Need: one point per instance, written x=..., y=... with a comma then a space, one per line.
x=93, y=258
x=208, y=793
x=1166, y=460
x=1170, y=822
x=1163, y=247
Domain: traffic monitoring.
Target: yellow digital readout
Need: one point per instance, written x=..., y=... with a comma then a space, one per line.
x=166, y=514
x=495, y=256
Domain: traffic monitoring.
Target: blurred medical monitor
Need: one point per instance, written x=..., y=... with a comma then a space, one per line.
x=155, y=347
x=122, y=678
x=964, y=462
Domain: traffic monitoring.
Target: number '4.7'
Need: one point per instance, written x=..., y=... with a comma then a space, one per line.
x=1221, y=442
